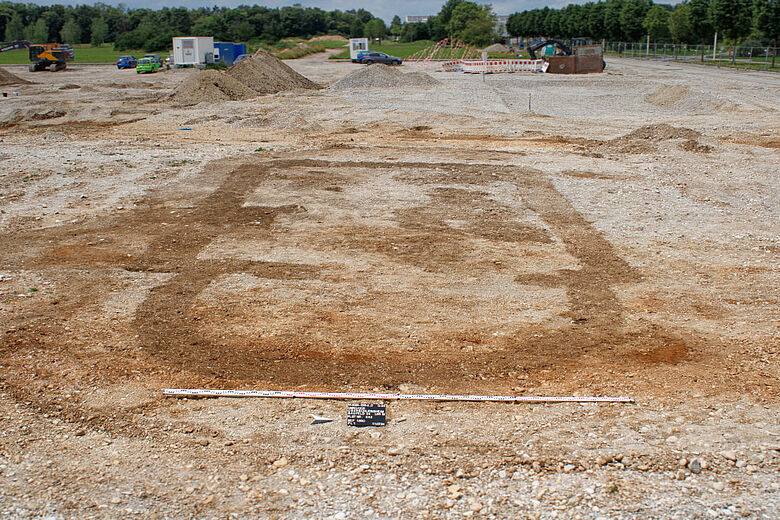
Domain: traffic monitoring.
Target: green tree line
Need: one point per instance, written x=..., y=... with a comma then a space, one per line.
x=691, y=21
x=153, y=29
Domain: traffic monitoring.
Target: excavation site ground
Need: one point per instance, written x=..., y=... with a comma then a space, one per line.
x=429, y=234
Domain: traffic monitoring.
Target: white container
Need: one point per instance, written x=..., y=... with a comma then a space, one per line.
x=356, y=45
x=193, y=50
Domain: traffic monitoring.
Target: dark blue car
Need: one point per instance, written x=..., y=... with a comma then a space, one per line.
x=369, y=57
x=126, y=62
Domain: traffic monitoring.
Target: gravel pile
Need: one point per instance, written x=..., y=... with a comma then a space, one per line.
x=260, y=74
x=498, y=47
x=644, y=139
x=383, y=76
x=7, y=78
x=266, y=74
x=667, y=96
x=210, y=86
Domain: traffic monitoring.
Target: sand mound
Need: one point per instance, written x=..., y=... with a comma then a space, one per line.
x=682, y=98
x=667, y=96
x=329, y=38
x=7, y=78
x=23, y=115
x=661, y=132
x=498, y=47
x=210, y=86
x=645, y=138
x=383, y=76
x=266, y=74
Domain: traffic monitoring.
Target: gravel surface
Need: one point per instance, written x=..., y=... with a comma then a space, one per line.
x=618, y=238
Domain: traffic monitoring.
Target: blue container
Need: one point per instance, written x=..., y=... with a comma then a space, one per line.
x=228, y=51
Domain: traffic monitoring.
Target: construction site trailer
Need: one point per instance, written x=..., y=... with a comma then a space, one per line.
x=356, y=45
x=193, y=50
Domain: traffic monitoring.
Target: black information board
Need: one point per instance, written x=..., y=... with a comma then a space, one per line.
x=366, y=415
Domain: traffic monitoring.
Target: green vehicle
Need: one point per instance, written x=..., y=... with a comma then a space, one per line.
x=147, y=65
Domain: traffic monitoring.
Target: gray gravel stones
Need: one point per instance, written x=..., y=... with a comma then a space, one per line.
x=381, y=76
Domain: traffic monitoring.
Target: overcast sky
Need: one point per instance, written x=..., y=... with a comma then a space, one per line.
x=380, y=8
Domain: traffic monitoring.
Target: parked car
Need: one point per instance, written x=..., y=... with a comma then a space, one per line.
x=147, y=65
x=241, y=57
x=155, y=58
x=369, y=57
x=126, y=62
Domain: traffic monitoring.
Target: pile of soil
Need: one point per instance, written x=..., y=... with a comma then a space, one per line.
x=210, y=86
x=329, y=38
x=260, y=74
x=667, y=96
x=266, y=74
x=383, y=76
x=7, y=78
x=498, y=47
x=645, y=138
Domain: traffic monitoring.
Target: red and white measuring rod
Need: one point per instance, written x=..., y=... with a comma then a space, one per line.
x=191, y=392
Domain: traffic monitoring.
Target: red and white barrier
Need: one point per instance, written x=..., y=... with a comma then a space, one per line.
x=492, y=66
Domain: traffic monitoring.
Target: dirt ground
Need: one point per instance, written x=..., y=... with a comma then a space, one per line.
x=620, y=237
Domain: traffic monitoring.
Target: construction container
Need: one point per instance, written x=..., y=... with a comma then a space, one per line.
x=356, y=45
x=227, y=51
x=193, y=50
x=561, y=64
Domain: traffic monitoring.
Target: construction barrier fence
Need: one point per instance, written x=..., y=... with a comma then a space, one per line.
x=492, y=66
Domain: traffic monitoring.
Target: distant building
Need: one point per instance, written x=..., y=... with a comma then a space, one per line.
x=501, y=20
x=417, y=19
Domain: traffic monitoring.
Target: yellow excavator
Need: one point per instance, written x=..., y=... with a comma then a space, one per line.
x=43, y=56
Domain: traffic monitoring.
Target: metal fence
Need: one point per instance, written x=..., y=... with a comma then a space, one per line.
x=756, y=58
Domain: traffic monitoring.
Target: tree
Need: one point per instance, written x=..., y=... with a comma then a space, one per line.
x=446, y=11
x=732, y=18
x=473, y=24
x=375, y=28
x=395, y=26
x=243, y=31
x=14, y=29
x=71, y=32
x=656, y=23
x=612, y=23
x=631, y=17
x=40, y=31
x=680, y=23
x=768, y=22
x=357, y=29
x=515, y=22
x=98, y=32
x=412, y=32
x=701, y=21
x=595, y=21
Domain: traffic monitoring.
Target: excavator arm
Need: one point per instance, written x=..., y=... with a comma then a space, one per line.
x=565, y=50
x=14, y=45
